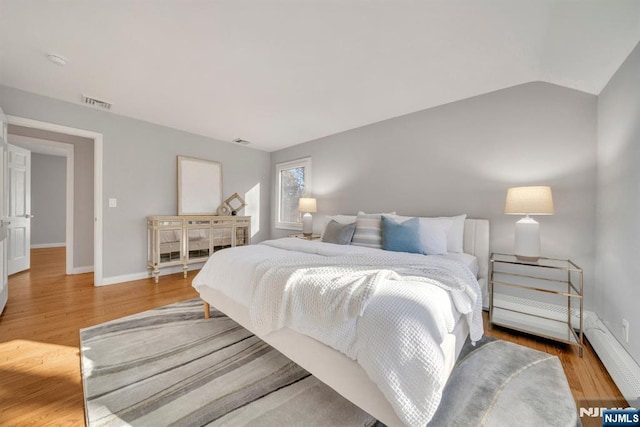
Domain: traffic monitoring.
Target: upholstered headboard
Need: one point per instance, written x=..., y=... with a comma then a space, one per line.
x=476, y=243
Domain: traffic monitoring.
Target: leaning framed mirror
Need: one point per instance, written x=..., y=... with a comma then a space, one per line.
x=199, y=186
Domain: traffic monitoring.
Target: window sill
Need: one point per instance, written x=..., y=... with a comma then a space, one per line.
x=297, y=227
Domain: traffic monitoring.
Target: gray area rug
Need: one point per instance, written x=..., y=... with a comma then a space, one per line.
x=498, y=383
x=170, y=366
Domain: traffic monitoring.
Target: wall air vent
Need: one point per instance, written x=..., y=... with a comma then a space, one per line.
x=241, y=141
x=94, y=102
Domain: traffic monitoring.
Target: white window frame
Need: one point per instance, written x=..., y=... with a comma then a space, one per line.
x=304, y=162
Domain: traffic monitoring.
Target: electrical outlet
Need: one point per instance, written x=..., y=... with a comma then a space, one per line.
x=113, y=203
x=625, y=329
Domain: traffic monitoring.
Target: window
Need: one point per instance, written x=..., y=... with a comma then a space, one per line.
x=293, y=182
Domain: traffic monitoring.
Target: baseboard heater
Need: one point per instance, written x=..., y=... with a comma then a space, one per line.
x=621, y=366
x=624, y=370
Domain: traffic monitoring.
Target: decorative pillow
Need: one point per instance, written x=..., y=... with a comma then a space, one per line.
x=340, y=234
x=455, y=235
x=401, y=236
x=368, y=230
x=341, y=219
x=433, y=234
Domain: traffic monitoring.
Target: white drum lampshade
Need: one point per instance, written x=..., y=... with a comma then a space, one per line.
x=307, y=205
x=536, y=200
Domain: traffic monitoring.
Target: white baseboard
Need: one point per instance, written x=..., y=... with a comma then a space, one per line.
x=624, y=370
x=146, y=275
x=48, y=245
x=82, y=270
x=123, y=278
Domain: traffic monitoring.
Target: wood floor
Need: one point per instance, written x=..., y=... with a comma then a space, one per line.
x=40, y=381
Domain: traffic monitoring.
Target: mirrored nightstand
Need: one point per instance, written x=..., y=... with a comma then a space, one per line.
x=561, y=283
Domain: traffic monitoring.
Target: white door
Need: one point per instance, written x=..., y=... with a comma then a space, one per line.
x=4, y=288
x=19, y=240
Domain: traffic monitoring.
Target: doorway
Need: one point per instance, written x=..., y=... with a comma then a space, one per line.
x=70, y=139
x=52, y=195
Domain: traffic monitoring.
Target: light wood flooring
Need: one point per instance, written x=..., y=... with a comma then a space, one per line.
x=40, y=381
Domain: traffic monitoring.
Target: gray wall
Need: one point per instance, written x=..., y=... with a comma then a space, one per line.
x=139, y=169
x=617, y=268
x=48, y=198
x=462, y=157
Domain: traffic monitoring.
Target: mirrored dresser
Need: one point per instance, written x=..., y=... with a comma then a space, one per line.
x=188, y=239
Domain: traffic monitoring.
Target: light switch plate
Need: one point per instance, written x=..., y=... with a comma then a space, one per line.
x=113, y=203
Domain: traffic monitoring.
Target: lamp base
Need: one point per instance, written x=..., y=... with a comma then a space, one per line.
x=307, y=224
x=527, y=247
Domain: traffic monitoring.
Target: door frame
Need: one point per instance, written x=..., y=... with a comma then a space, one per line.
x=97, y=190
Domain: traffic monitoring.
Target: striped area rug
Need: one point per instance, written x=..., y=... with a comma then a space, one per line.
x=170, y=366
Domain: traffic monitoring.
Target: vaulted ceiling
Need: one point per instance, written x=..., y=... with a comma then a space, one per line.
x=282, y=72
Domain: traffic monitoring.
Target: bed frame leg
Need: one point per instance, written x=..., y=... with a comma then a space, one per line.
x=207, y=310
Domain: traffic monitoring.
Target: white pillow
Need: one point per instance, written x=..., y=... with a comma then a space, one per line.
x=433, y=234
x=455, y=235
x=342, y=219
x=381, y=213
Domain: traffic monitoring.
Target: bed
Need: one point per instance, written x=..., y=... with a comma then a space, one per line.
x=228, y=283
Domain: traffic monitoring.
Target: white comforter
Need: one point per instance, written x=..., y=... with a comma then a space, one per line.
x=388, y=311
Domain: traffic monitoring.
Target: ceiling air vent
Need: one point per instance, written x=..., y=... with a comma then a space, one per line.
x=241, y=141
x=94, y=102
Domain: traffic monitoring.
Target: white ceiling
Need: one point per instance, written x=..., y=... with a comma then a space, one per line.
x=282, y=72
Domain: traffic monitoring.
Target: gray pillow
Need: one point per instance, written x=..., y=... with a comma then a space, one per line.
x=337, y=233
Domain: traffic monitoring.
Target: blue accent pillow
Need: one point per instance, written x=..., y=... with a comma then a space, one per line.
x=401, y=236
